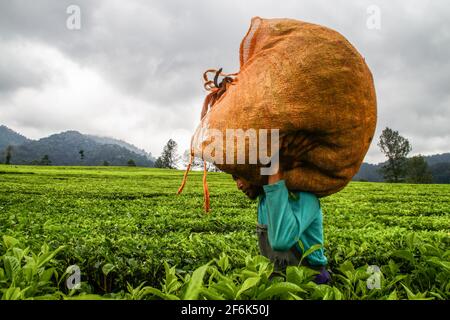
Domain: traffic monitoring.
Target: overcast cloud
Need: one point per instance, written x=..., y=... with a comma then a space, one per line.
x=134, y=69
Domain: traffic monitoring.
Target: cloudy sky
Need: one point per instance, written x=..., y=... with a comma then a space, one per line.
x=134, y=69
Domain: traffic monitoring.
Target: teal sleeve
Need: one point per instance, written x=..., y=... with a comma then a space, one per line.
x=285, y=226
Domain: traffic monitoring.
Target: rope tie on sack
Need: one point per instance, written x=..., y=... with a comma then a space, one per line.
x=191, y=159
x=216, y=91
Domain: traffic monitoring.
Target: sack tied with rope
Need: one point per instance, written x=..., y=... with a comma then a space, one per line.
x=309, y=82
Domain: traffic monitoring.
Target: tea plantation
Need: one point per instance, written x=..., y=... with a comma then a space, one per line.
x=131, y=237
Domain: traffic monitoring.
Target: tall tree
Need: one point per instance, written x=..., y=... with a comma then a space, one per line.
x=159, y=163
x=396, y=148
x=131, y=163
x=417, y=170
x=169, y=157
x=9, y=150
x=81, y=154
x=46, y=160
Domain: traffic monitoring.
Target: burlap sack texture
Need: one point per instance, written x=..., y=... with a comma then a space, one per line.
x=312, y=84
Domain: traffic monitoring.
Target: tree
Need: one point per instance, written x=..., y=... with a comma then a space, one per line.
x=131, y=163
x=46, y=160
x=9, y=150
x=169, y=157
x=81, y=154
x=396, y=148
x=159, y=163
x=105, y=163
x=418, y=171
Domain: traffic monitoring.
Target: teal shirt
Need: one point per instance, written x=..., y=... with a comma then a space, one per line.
x=290, y=218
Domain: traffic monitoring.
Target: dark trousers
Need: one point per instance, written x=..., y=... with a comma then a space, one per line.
x=282, y=259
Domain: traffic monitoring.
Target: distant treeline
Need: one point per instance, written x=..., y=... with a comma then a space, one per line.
x=440, y=171
x=400, y=168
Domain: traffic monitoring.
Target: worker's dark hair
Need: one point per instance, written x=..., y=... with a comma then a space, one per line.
x=235, y=177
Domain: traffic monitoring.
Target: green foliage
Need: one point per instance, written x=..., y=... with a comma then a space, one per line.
x=133, y=238
x=25, y=275
x=396, y=149
x=417, y=170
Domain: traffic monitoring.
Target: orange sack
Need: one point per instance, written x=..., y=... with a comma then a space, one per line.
x=307, y=81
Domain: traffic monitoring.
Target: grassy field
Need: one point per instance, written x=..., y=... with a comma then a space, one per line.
x=126, y=226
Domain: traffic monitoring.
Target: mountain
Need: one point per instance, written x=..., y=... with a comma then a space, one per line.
x=10, y=137
x=441, y=172
x=439, y=165
x=126, y=145
x=369, y=172
x=64, y=149
x=437, y=158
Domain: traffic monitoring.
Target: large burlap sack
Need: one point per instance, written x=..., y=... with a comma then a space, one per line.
x=311, y=83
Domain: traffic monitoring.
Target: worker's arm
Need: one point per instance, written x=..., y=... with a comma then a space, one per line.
x=284, y=226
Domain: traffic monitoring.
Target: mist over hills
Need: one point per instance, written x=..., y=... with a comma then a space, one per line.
x=10, y=137
x=64, y=149
x=126, y=145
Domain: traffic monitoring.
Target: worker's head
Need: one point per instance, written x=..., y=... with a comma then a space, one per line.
x=252, y=191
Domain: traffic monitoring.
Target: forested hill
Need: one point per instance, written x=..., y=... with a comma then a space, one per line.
x=10, y=137
x=438, y=158
x=126, y=145
x=71, y=148
x=439, y=165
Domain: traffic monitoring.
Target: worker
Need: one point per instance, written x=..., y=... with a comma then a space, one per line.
x=284, y=218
